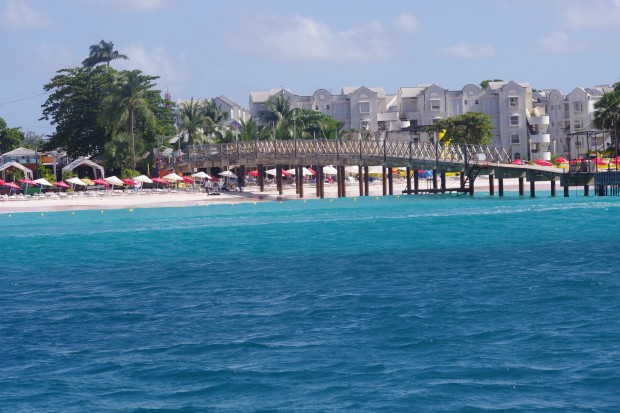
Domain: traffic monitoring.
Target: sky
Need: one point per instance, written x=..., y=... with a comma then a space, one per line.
x=204, y=49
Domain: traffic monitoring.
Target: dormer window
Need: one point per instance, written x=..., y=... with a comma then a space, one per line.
x=513, y=102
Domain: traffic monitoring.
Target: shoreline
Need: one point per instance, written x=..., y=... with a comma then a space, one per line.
x=188, y=199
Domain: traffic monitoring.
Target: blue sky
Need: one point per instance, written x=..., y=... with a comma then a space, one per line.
x=204, y=49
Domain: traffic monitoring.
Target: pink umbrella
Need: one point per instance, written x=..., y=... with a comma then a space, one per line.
x=253, y=173
x=188, y=180
x=518, y=162
x=542, y=162
x=561, y=160
x=27, y=181
x=129, y=182
x=599, y=161
x=2, y=182
x=159, y=181
x=61, y=184
x=12, y=185
x=100, y=181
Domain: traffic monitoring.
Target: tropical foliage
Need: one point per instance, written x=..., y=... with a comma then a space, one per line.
x=103, y=52
x=10, y=138
x=607, y=114
x=469, y=128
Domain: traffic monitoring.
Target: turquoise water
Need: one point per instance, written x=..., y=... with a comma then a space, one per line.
x=392, y=304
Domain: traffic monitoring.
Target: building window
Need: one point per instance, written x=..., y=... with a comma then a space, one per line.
x=578, y=124
x=514, y=120
x=364, y=107
x=435, y=104
x=340, y=111
x=514, y=139
x=316, y=107
x=476, y=101
x=465, y=101
x=327, y=107
x=513, y=102
x=577, y=106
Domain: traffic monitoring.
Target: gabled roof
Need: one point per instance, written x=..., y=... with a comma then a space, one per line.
x=348, y=90
x=411, y=92
x=20, y=152
x=27, y=171
x=228, y=102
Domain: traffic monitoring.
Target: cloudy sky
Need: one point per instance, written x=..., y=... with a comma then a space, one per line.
x=204, y=49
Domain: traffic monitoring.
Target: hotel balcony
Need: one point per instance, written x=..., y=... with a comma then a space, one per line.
x=538, y=120
x=543, y=138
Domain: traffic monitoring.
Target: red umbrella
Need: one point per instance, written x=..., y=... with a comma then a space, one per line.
x=253, y=173
x=576, y=161
x=312, y=171
x=61, y=184
x=12, y=185
x=542, y=162
x=599, y=161
x=100, y=181
x=616, y=159
x=27, y=181
x=518, y=162
x=159, y=181
x=188, y=180
x=561, y=160
x=2, y=182
x=129, y=182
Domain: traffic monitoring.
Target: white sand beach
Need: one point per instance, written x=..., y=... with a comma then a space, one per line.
x=146, y=199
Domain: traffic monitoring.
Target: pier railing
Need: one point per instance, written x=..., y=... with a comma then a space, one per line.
x=341, y=151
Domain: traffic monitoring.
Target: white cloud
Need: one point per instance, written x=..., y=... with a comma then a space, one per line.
x=407, y=22
x=467, y=50
x=155, y=62
x=19, y=15
x=593, y=14
x=559, y=43
x=129, y=5
x=304, y=38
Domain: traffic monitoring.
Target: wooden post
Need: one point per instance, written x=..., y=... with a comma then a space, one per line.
x=384, y=180
x=443, y=181
x=241, y=177
x=297, y=173
x=553, y=187
x=366, y=182
x=532, y=189
x=408, y=180
x=390, y=181
x=279, y=182
x=472, y=188
x=491, y=184
x=586, y=190
x=319, y=174
x=435, y=183
x=521, y=186
x=344, y=181
x=339, y=181
x=322, y=185
x=360, y=179
x=500, y=186
x=416, y=181
x=462, y=176
x=261, y=177
x=566, y=191
x=301, y=181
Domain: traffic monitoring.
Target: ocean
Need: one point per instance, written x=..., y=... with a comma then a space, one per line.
x=429, y=303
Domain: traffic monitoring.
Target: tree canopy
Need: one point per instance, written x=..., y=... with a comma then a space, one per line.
x=103, y=52
x=10, y=138
x=469, y=128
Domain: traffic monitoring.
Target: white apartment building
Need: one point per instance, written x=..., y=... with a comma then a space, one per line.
x=534, y=125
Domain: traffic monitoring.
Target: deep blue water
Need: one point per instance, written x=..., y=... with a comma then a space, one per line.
x=392, y=304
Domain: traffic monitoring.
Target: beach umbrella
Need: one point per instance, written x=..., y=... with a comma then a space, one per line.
x=616, y=159
x=172, y=177
x=229, y=174
x=61, y=184
x=599, y=161
x=330, y=170
x=88, y=181
x=253, y=173
x=159, y=181
x=75, y=181
x=187, y=180
x=201, y=175
x=12, y=185
x=129, y=182
x=100, y=181
x=518, y=162
x=561, y=160
x=2, y=182
x=542, y=162
x=27, y=181
x=113, y=180
x=42, y=182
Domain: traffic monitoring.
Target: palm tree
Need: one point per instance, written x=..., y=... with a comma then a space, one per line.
x=279, y=115
x=194, y=120
x=215, y=118
x=607, y=114
x=249, y=130
x=102, y=53
x=128, y=97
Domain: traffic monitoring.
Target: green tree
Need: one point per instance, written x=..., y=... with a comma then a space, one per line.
x=607, y=114
x=10, y=138
x=193, y=121
x=249, y=130
x=469, y=128
x=116, y=153
x=278, y=116
x=128, y=98
x=74, y=108
x=103, y=52
x=485, y=83
x=33, y=140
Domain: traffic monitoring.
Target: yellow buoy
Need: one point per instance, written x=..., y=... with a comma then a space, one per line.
x=130, y=209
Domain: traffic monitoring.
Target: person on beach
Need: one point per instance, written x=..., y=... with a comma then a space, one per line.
x=207, y=185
